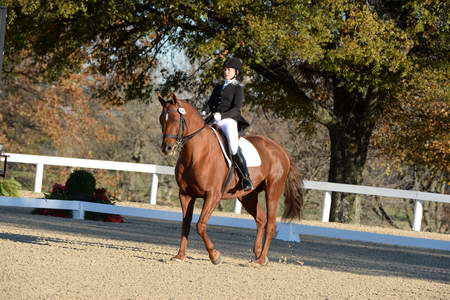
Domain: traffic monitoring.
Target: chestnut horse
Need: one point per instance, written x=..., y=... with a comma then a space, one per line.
x=201, y=170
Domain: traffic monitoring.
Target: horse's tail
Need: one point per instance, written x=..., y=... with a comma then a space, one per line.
x=293, y=194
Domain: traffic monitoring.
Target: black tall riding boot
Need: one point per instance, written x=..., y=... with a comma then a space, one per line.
x=242, y=166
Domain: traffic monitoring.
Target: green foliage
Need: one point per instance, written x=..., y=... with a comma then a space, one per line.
x=9, y=188
x=416, y=131
x=81, y=181
x=293, y=49
x=64, y=35
x=338, y=63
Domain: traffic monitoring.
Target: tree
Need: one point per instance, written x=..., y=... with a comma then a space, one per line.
x=416, y=135
x=339, y=63
x=59, y=119
x=416, y=132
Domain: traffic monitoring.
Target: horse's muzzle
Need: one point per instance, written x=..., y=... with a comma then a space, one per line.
x=167, y=149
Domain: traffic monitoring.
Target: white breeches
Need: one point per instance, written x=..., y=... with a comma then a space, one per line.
x=230, y=128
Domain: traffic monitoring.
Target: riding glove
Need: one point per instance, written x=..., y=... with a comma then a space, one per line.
x=217, y=116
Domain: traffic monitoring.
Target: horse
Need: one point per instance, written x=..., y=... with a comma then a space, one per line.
x=201, y=170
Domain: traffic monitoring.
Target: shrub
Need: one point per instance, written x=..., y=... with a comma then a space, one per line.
x=80, y=186
x=81, y=182
x=9, y=188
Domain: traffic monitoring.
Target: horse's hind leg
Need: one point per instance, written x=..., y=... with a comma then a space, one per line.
x=250, y=203
x=273, y=194
x=187, y=207
x=210, y=203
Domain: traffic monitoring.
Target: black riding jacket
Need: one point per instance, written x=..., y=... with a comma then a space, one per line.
x=227, y=102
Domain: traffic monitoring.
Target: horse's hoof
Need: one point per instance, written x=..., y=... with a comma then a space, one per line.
x=177, y=259
x=218, y=260
x=259, y=263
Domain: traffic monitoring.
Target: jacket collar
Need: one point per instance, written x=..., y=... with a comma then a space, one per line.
x=229, y=83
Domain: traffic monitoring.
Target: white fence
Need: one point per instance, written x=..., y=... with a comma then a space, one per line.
x=285, y=231
x=155, y=170
x=40, y=161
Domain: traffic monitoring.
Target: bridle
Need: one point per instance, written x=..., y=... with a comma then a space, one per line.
x=180, y=138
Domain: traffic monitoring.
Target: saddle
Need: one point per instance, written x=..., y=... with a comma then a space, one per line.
x=224, y=145
x=252, y=155
x=226, y=150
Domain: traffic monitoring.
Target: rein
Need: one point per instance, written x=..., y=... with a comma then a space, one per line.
x=180, y=138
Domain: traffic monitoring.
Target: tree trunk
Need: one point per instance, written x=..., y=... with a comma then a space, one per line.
x=349, y=138
x=435, y=181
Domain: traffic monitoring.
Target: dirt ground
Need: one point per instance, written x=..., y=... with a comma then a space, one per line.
x=54, y=258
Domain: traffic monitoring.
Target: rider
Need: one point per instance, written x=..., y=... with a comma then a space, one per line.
x=225, y=105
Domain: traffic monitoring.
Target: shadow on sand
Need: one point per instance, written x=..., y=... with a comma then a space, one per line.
x=323, y=253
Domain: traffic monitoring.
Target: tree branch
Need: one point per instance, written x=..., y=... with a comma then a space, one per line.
x=279, y=74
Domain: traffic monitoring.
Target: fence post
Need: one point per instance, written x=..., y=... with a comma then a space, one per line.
x=418, y=212
x=79, y=214
x=326, y=207
x=237, y=207
x=286, y=232
x=154, y=189
x=38, y=178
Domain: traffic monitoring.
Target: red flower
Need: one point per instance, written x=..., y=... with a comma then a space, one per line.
x=114, y=219
x=58, y=188
x=100, y=191
x=100, y=196
x=54, y=213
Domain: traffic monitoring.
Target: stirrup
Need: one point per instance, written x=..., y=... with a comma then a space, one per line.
x=247, y=184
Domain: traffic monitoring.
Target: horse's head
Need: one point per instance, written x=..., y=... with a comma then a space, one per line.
x=178, y=120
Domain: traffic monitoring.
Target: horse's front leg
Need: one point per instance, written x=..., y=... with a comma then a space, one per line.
x=210, y=203
x=187, y=207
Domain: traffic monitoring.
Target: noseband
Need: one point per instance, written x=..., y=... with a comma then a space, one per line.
x=180, y=138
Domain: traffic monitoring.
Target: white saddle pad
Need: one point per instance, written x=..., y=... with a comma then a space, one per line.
x=249, y=151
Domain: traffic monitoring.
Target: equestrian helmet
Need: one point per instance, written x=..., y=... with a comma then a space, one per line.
x=234, y=63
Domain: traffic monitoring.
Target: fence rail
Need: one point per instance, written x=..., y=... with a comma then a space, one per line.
x=155, y=170
x=40, y=161
x=285, y=231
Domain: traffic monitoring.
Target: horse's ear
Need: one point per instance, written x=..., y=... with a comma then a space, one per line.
x=174, y=98
x=161, y=100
